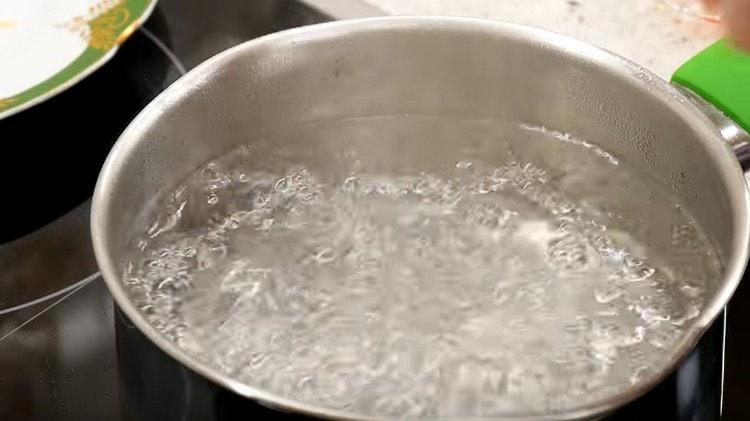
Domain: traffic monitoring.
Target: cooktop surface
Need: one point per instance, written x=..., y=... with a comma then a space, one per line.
x=65, y=350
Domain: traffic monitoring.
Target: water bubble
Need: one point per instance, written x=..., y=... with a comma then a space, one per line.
x=324, y=256
x=691, y=289
x=166, y=221
x=257, y=360
x=352, y=185
x=632, y=262
x=266, y=224
x=605, y=296
x=480, y=187
x=464, y=165
x=643, y=273
x=638, y=374
x=568, y=253
x=283, y=185
x=690, y=314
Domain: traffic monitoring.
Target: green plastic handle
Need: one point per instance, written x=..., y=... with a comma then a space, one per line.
x=721, y=75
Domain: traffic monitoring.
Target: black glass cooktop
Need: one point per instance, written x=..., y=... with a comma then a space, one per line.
x=67, y=353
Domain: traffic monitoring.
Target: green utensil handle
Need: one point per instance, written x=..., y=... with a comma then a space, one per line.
x=721, y=75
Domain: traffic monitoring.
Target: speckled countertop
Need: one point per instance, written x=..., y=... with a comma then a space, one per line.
x=657, y=34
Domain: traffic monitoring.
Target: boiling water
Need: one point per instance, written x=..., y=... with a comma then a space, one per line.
x=533, y=273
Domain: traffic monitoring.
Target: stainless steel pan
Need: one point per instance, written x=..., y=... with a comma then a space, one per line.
x=436, y=66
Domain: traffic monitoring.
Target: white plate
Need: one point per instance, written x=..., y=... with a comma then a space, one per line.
x=48, y=46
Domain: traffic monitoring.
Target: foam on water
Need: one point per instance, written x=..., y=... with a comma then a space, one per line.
x=474, y=290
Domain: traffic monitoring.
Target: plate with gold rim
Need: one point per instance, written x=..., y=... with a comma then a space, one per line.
x=48, y=46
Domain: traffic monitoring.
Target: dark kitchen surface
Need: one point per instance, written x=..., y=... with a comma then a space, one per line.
x=65, y=351
x=737, y=353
